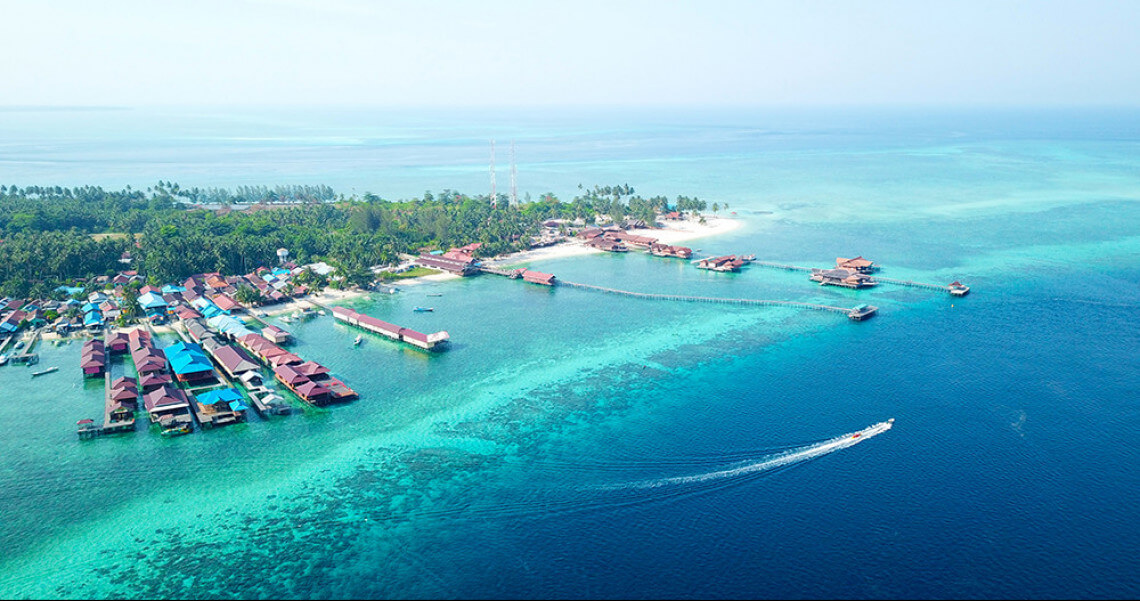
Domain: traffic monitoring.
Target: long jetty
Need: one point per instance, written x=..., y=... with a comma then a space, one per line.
x=850, y=312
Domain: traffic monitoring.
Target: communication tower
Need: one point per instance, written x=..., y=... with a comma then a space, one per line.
x=494, y=197
x=514, y=186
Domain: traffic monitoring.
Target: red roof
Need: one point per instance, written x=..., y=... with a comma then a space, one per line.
x=311, y=390
x=538, y=277
x=289, y=375
x=286, y=359
x=311, y=368
x=224, y=302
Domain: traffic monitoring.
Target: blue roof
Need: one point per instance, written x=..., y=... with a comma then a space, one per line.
x=187, y=358
x=207, y=308
x=69, y=289
x=92, y=318
x=171, y=289
x=88, y=307
x=151, y=300
x=228, y=395
x=228, y=325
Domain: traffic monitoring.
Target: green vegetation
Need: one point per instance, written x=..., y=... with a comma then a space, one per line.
x=53, y=235
x=414, y=272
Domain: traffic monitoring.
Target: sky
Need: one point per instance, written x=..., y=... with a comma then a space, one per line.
x=505, y=53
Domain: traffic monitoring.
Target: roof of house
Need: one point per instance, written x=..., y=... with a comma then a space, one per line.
x=310, y=389
x=311, y=368
x=165, y=397
x=224, y=395
x=235, y=360
x=289, y=375
x=187, y=358
x=150, y=300
x=225, y=303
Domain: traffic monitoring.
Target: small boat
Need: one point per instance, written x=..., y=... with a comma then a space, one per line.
x=436, y=294
x=359, y=339
x=423, y=309
x=3, y=359
x=44, y=371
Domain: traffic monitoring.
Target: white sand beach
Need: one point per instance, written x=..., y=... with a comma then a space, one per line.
x=672, y=232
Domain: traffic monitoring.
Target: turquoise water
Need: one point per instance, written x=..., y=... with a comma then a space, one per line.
x=513, y=465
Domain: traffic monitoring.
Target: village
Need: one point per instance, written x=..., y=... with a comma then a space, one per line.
x=227, y=356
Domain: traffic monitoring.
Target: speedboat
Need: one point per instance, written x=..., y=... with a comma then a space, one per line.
x=359, y=339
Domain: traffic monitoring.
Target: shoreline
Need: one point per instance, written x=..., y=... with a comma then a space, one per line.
x=671, y=233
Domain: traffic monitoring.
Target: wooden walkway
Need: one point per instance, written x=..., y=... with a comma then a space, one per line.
x=507, y=273
x=707, y=299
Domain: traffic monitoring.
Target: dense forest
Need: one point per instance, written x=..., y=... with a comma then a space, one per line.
x=53, y=235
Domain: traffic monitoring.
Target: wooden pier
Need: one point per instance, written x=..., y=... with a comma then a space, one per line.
x=514, y=274
x=857, y=314
x=88, y=429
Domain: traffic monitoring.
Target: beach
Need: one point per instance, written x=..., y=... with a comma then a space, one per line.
x=670, y=232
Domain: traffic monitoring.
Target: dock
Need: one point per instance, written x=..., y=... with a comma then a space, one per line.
x=430, y=342
x=857, y=314
x=117, y=417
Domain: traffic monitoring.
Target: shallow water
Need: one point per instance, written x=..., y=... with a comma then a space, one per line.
x=501, y=467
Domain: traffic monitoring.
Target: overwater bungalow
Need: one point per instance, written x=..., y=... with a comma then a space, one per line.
x=92, y=359
x=189, y=363
x=275, y=334
x=537, y=277
x=148, y=360
x=723, y=263
x=858, y=265
x=234, y=361
x=845, y=278
x=169, y=407
x=126, y=391
x=154, y=380
x=220, y=407
x=666, y=250
x=117, y=343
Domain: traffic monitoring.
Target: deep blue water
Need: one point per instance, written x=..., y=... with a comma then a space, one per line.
x=515, y=464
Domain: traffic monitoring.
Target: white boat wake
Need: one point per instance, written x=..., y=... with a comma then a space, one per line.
x=782, y=459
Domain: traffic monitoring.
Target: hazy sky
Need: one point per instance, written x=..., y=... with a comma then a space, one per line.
x=569, y=52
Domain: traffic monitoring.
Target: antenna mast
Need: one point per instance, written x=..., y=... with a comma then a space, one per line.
x=494, y=197
x=514, y=187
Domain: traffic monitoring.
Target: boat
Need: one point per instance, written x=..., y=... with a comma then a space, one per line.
x=44, y=371
x=423, y=309
x=3, y=359
x=435, y=294
x=359, y=339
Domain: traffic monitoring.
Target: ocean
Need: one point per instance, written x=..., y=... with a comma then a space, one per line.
x=573, y=444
